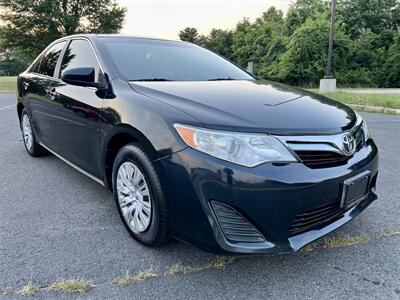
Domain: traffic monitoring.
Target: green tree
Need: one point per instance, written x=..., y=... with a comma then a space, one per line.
x=374, y=15
x=13, y=63
x=293, y=48
x=221, y=42
x=301, y=10
x=270, y=41
x=202, y=40
x=304, y=62
x=189, y=34
x=32, y=25
x=243, y=37
x=390, y=71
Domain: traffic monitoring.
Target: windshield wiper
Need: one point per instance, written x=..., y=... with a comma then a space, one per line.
x=220, y=79
x=152, y=79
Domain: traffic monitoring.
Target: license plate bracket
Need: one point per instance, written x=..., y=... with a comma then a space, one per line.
x=355, y=190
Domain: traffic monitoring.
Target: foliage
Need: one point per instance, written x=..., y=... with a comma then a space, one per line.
x=356, y=77
x=29, y=26
x=189, y=34
x=306, y=55
x=377, y=16
x=301, y=10
x=293, y=48
x=390, y=73
x=220, y=41
x=12, y=62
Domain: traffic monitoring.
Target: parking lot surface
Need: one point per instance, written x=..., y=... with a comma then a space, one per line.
x=56, y=223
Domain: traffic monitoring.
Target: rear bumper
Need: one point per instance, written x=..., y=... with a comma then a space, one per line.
x=269, y=197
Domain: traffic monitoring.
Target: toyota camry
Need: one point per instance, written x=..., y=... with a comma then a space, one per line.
x=194, y=147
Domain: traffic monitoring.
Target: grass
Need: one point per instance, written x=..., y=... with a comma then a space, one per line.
x=335, y=242
x=28, y=289
x=8, y=84
x=382, y=100
x=74, y=285
x=344, y=241
x=8, y=292
x=218, y=263
x=389, y=233
x=341, y=241
x=128, y=279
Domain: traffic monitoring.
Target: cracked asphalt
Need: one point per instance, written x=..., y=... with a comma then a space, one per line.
x=56, y=223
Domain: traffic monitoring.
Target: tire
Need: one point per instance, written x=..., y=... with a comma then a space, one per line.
x=31, y=145
x=148, y=228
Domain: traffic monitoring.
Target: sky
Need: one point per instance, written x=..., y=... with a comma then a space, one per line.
x=165, y=18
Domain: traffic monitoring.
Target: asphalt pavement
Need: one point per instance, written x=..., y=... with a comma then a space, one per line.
x=56, y=223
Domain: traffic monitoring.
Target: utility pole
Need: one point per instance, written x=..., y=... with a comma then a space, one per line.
x=328, y=83
x=331, y=37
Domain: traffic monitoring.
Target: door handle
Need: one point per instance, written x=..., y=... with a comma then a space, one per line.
x=26, y=85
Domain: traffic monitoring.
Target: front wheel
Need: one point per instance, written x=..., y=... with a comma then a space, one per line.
x=139, y=195
x=31, y=145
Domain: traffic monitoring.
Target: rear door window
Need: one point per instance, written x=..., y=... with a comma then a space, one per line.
x=49, y=60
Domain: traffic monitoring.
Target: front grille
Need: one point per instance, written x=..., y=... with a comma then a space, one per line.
x=360, y=140
x=321, y=159
x=311, y=218
x=234, y=226
x=323, y=151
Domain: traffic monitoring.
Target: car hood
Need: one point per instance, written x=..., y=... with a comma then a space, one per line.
x=252, y=106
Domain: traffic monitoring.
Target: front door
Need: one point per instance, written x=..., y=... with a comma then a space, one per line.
x=36, y=86
x=75, y=132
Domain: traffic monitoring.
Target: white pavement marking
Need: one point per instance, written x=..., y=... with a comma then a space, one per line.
x=7, y=107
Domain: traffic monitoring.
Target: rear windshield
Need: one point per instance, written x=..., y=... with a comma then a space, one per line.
x=141, y=59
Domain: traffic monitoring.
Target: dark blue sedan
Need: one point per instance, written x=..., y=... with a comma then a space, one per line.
x=194, y=147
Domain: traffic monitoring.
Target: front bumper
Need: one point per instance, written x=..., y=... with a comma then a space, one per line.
x=269, y=196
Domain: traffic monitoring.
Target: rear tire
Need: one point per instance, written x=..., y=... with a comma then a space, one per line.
x=31, y=145
x=139, y=195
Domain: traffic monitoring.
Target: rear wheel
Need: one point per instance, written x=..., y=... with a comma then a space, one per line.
x=31, y=145
x=139, y=195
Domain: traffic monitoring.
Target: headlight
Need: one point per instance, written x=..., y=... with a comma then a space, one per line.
x=244, y=149
x=364, y=126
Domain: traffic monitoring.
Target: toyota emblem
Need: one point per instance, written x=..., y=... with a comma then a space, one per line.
x=348, y=144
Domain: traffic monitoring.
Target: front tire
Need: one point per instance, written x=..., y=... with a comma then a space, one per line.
x=139, y=195
x=31, y=145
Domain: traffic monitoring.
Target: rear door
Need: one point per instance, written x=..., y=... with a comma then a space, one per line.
x=75, y=128
x=35, y=86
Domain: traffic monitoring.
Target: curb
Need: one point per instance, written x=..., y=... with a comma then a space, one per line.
x=375, y=109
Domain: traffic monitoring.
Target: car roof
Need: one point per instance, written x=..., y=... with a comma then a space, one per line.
x=93, y=36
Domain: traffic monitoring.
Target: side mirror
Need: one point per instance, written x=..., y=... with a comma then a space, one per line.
x=80, y=77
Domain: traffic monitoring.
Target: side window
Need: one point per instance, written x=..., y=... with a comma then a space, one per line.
x=79, y=54
x=49, y=60
x=35, y=67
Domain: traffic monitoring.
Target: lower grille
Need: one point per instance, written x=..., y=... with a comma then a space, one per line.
x=321, y=159
x=311, y=218
x=234, y=226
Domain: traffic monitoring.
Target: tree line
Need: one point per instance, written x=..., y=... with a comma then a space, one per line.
x=289, y=48
x=29, y=26
x=292, y=48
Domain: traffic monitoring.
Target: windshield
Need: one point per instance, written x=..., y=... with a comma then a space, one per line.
x=154, y=60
